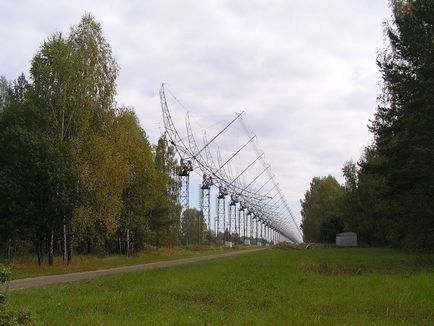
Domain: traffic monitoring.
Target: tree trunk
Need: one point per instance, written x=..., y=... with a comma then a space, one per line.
x=9, y=249
x=70, y=246
x=120, y=243
x=64, y=242
x=51, y=248
x=132, y=241
x=157, y=240
x=39, y=250
x=198, y=230
x=128, y=242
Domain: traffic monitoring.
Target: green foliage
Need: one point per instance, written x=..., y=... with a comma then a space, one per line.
x=4, y=92
x=193, y=227
x=388, y=193
x=9, y=317
x=12, y=318
x=78, y=173
x=5, y=275
x=73, y=89
x=97, y=70
x=31, y=170
x=165, y=219
x=143, y=190
x=364, y=210
x=322, y=202
x=403, y=125
x=388, y=199
x=352, y=206
x=329, y=228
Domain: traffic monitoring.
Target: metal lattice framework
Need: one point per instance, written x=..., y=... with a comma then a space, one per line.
x=257, y=206
x=205, y=200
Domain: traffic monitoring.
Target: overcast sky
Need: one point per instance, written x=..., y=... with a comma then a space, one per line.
x=303, y=70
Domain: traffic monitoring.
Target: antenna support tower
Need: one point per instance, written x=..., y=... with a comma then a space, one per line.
x=205, y=204
x=221, y=200
x=185, y=168
x=233, y=214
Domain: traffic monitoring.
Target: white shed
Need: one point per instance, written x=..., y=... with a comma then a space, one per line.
x=346, y=239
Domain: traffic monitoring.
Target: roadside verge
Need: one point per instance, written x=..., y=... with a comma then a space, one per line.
x=71, y=277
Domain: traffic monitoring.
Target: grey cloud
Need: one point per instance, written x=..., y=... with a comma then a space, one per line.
x=304, y=71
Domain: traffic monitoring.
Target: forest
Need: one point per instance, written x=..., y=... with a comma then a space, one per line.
x=79, y=175
x=77, y=172
x=387, y=198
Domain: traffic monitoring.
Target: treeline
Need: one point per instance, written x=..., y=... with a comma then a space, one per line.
x=388, y=196
x=78, y=173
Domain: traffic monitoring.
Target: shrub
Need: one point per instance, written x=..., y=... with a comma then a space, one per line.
x=9, y=317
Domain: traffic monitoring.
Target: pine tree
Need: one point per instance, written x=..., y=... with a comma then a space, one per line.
x=404, y=125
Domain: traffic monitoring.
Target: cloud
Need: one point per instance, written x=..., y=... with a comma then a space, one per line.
x=304, y=71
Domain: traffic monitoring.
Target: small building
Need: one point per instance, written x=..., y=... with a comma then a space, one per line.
x=346, y=239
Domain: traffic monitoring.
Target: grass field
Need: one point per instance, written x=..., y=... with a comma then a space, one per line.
x=321, y=286
x=27, y=266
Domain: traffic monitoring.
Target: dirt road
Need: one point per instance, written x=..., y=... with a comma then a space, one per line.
x=63, y=278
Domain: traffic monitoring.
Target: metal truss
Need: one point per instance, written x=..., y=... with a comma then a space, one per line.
x=269, y=209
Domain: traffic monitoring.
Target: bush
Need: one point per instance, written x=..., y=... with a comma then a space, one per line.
x=197, y=247
x=5, y=275
x=12, y=318
x=9, y=317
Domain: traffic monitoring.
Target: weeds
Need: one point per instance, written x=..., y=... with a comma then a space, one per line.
x=306, y=266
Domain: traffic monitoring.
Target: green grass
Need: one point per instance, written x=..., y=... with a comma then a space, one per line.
x=322, y=286
x=27, y=266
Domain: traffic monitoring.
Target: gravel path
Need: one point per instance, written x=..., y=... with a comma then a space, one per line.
x=63, y=278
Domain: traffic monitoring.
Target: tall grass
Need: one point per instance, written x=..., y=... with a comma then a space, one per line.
x=26, y=266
